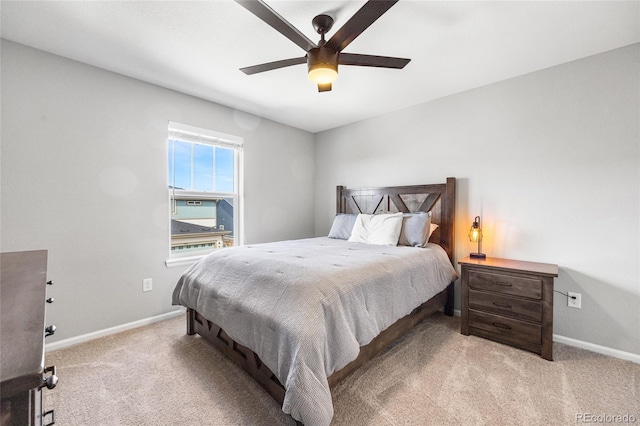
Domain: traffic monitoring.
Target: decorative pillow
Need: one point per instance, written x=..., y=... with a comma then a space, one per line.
x=381, y=229
x=342, y=226
x=416, y=229
x=433, y=228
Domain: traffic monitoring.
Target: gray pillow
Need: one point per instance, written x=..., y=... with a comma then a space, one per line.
x=415, y=229
x=342, y=226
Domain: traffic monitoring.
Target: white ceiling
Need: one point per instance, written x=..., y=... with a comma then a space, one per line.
x=198, y=47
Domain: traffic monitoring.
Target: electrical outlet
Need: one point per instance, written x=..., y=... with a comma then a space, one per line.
x=574, y=303
x=147, y=284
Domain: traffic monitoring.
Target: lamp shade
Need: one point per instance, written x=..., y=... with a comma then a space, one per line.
x=475, y=233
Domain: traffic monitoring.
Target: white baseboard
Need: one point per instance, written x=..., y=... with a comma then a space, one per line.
x=107, y=331
x=604, y=350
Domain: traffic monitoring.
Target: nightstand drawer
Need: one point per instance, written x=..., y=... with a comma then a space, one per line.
x=507, y=284
x=506, y=305
x=520, y=330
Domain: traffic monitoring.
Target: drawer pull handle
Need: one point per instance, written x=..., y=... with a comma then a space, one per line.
x=502, y=305
x=53, y=417
x=50, y=331
x=51, y=381
x=501, y=284
x=499, y=325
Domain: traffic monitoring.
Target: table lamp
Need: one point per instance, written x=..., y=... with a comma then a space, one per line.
x=475, y=235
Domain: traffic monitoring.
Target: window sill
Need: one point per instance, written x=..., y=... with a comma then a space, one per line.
x=176, y=262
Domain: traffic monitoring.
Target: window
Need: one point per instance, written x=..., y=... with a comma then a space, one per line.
x=204, y=189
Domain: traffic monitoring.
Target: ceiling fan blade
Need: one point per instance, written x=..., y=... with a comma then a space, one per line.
x=273, y=65
x=324, y=87
x=372, y=61
x=367, y=15
x=271, y=17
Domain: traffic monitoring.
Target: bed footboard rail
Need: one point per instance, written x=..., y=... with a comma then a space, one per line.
x=393, y=333
x=240, y=355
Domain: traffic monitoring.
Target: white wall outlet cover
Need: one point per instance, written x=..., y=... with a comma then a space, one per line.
x=574, y=300
x=147, y=284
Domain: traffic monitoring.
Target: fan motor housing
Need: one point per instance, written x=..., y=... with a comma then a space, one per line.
x=322, y=57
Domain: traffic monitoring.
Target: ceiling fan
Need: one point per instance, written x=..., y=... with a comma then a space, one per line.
x=322, y=59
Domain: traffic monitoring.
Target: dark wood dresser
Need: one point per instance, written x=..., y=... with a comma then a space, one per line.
x=23, y=291
x=509, y=301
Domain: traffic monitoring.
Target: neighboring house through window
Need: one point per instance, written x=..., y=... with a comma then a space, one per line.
x=204, y=189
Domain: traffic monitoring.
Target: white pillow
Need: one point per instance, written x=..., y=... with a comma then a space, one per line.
x=381, y=229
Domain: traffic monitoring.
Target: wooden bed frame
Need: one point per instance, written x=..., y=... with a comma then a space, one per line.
x=439, y=199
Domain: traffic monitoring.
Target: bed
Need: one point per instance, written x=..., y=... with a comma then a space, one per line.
x=300, y=315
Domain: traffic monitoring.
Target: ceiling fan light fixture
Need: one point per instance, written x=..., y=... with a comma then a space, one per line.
x=323, y=73
x=322, y=65
x=323, y=57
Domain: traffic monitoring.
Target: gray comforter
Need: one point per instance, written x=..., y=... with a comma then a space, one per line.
x=306, y=306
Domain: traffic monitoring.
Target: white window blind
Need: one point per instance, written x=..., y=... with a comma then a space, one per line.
x=183, y=132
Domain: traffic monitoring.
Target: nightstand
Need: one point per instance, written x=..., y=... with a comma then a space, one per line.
x=509, y=301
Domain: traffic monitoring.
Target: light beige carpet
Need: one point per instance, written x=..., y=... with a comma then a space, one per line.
x=157, y=375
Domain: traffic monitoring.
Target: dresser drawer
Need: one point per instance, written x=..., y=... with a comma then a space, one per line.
x=520, y=330
x=525, y=309
x=507, y=284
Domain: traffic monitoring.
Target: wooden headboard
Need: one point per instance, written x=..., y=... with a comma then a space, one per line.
x=439, y=199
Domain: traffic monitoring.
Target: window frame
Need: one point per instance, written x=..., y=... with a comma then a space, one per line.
x=196, y=135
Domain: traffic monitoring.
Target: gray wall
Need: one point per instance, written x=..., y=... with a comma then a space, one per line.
x=550, y=160
x=84, y=175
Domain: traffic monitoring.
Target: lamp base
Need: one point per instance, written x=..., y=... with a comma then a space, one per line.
x=477, y=255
